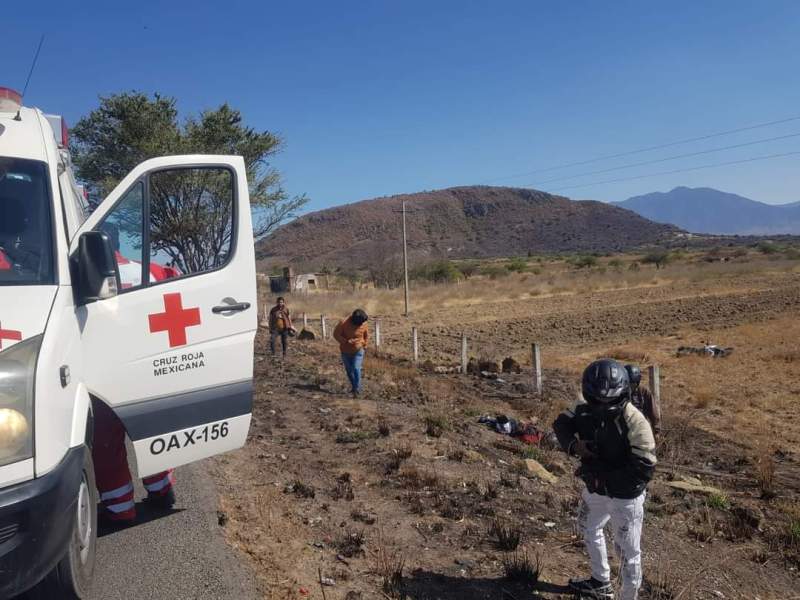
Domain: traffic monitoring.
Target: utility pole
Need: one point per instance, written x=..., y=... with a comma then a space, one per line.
x=405, y=260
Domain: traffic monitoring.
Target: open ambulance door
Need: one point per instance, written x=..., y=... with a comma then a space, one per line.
x=172, y=352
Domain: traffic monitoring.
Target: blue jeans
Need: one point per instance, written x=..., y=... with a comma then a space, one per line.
x=352, y=366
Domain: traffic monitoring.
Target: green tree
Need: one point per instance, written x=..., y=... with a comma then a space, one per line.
x=130, y=127
x=659, y=258
x=517, y=265
x=584, y=261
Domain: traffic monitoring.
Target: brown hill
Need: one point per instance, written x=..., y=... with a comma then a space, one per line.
x=462, y=222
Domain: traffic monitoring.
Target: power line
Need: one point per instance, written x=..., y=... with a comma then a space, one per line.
x=723, y=164
x=659, y=160
x=646, y=149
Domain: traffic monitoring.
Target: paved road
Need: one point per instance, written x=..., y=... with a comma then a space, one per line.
x=180, y=555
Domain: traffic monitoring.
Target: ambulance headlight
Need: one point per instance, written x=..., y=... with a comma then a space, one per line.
x=17, y=374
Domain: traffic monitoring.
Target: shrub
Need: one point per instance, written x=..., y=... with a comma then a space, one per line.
x=506, y=537
x=354, y=437
x=615, y=263
x=468, y=269
x=442, y=271
x=517, y=265
x=519, y=567
x=350, y=543
x=719, y=501
x=389, y=566
x=435, y=425
x=494, y=271
x=659, y=258
x=767, y=247
x=584, y=261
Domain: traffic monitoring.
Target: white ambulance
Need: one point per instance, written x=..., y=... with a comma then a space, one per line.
x=147, y=305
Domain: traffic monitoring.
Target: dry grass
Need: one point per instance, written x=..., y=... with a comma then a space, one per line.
x=629, y=354
x=555, y=277
x=521, y=568
x=506, y=537
x=702, y=397
x=436, y=424
x=388, y=565
x=350, y=543
x=417, y=479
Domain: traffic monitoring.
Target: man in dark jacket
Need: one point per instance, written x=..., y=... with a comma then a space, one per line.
x=617, y=451
x=642, y=399
x=280, y=324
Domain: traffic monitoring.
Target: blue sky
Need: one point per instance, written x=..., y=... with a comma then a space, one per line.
x=377, y=98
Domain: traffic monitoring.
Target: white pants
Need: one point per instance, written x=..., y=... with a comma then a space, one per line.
x=626, y=518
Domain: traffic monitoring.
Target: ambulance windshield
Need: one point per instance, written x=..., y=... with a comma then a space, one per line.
x=26, y=239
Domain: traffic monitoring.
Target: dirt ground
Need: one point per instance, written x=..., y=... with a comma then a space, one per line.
x=332, y=490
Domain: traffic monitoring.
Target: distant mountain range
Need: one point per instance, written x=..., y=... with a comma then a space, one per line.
x=706, y=210
x=461, y=222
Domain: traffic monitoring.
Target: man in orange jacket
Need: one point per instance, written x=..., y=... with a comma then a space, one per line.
x=353, y=336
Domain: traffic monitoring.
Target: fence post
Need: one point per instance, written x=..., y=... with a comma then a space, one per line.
x=377, y=334
x=655, y=384
x=463, y=353
x=323, y=327
x=305, y=321
x=415, y=344
x=536, y=361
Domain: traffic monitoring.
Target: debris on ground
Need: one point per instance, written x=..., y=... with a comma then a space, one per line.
x=710, y=350
x=525, y=432
x=535, y=468
x=692, y=484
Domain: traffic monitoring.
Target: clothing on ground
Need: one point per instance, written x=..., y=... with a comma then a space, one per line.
x=626, y=516
x=114, y=482
x=352, y=366
x=351, y=337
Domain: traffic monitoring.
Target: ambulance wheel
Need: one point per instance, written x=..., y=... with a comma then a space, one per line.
x=72, y=576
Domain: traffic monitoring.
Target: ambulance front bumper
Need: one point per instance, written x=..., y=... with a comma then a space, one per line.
x=36, y=523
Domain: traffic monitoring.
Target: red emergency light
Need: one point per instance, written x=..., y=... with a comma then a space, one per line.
x=64, y=133
x=10, y=100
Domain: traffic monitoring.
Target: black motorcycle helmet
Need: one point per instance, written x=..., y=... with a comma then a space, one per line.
x=634, y=375
x=605, y=384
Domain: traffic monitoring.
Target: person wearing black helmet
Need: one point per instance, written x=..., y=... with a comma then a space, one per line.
x=616, y=448
x=642, y=399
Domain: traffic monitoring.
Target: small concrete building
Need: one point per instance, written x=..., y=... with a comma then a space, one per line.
x=304, y=283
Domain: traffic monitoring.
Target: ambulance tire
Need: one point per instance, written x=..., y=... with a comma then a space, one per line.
x=72, y=576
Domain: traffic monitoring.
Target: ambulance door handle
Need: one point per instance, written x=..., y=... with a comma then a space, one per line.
x=229, y=308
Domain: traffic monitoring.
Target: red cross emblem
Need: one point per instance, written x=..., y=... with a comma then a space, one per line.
x=9, y=334
x=174, y=320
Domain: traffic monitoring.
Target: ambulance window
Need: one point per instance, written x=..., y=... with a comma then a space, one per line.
x=191, y=221
x=123, y=224
x=26, y=238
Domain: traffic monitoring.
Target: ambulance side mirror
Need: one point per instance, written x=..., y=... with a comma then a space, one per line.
x=96, y=268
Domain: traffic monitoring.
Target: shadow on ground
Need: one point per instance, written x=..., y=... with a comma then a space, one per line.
x=425, y=585
x=144, y=514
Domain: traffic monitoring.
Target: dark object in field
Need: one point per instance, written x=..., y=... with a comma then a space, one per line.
x=511, y=366
x=472, y=367
x=525, y=432
x=710, y=350
x=489, y=366
x=306, y=334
